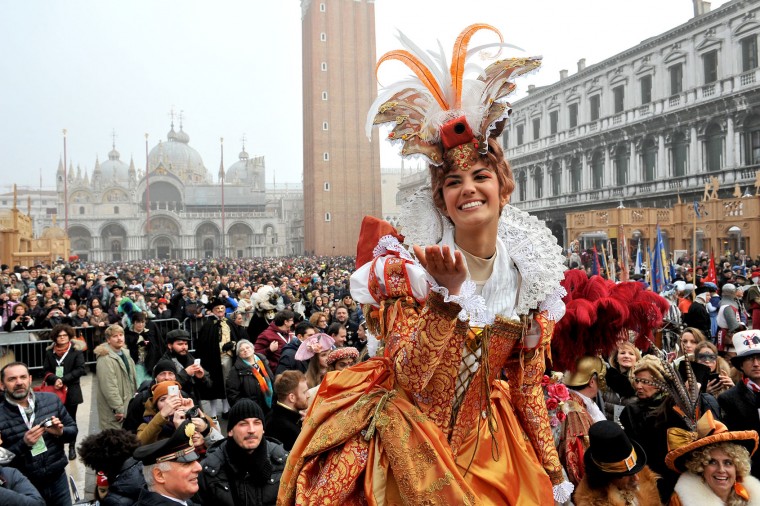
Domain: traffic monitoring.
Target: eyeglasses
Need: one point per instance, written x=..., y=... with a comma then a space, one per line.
x=645, y=382
x=707, y=357
x=62, y=334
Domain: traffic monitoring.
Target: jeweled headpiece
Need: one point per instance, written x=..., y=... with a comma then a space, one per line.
x=440, y=114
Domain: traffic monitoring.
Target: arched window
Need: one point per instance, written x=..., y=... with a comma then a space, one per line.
x=522, y=186
x=621, y=165
x=575, y=174
x=679, y=154
x=538, y=182
x=556, y=179
x=597, y=170
x=649, y=159
x=713, y=148
x=752, y=140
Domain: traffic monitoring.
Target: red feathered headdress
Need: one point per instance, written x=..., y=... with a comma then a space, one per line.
x=599, y=314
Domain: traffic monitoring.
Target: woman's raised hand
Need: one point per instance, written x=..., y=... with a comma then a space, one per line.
x=449, y=272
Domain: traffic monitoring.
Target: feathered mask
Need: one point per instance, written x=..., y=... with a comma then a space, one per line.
x=440, y=114
x=598, y=315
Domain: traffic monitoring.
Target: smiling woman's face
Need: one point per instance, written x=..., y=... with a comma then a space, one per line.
x=720, y=473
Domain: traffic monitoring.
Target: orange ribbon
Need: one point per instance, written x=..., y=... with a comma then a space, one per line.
x=706, y=426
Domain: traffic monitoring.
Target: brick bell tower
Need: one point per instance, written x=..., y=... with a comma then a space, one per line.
x=341, y=167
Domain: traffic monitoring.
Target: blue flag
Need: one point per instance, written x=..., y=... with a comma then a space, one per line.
x=658, y=263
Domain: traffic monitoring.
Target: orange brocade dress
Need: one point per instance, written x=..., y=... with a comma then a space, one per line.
x=392, y=430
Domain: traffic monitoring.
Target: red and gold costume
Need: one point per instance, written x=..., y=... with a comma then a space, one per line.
x=430, y=420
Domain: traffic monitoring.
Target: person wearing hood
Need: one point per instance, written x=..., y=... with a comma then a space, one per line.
x=64, y=358
x=119, y=476
x=729, y=320
x=245, y=468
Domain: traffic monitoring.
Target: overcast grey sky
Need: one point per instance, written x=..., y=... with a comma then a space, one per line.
x=233, y=67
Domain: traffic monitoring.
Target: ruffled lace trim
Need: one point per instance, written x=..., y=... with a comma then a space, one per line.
x=563, y=491
x=529, y=243
x=389, y=243
x=473, y=305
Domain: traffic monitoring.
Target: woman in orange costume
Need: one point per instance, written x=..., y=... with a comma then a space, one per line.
x=430, y=420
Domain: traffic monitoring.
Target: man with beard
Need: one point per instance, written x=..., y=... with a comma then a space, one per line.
x=616, y=471
x=193, y=377
x=35, y=427
x=284, y=421
x=245, y=468
x=170, y=469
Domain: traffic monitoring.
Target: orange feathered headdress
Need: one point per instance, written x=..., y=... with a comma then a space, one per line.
x=442, y=110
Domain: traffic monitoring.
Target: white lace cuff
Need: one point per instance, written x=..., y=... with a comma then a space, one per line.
x=390, y=243
x=563, y=491
x=473, y=306
x=553, y=304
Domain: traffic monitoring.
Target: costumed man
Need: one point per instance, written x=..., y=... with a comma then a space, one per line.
x=585, y=384
x=616, y=473
x=213, y=336
x=266, y=303
x=430, y=421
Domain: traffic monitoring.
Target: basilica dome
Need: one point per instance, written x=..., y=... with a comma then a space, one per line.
x=247, y=171
x=113, y=169
x=179, y=158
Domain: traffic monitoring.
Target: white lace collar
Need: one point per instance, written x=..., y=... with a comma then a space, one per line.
x=528, y=242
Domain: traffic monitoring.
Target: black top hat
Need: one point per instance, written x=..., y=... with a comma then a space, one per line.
x=611, y=452
x=214, y=302
x=178, y=448
x=177, y=335
x=111, y=278
x=117, y=286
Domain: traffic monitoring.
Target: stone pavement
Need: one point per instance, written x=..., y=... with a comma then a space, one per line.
x=87, y=421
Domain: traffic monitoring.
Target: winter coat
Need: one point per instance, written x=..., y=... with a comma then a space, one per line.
x=271, y=334
x=73, y=369
x=116, y=384
x=124, y=489
x=219, y=475
x=646, y=495
x=50, y=464
x=18, y=490
x=207, y=349
x=740, y=407
x=148, y=498
x=284, y=425
x=241, y=383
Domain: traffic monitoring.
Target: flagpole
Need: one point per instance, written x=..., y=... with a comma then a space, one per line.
x=147, y=198
x=694, y=252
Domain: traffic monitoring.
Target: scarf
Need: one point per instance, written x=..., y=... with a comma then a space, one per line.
x=61, y=350
x=260, y=373
x=256, y=464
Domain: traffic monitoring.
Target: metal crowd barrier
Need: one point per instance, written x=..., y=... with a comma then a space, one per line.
x=29, y=346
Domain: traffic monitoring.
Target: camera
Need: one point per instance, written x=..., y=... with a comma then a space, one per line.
x=47, y=422
x=193, y=412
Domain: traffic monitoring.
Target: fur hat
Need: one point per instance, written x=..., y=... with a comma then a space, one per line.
x=652, y=364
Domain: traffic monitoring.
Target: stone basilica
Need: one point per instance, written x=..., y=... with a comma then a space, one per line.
x=118, y=213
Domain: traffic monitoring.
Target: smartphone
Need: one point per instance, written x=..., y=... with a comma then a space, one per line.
x=197, y=361
x=713, y=376
x=173, y=390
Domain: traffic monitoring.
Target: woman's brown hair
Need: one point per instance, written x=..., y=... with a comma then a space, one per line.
x=494, y=159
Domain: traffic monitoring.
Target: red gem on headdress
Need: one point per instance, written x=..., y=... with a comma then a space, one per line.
x=392, y=134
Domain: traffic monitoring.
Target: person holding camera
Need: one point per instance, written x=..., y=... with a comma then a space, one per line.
x=35, y=427
x=19, y=320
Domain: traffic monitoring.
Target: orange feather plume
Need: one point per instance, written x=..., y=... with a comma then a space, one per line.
x=419, y=70
x=459, y=55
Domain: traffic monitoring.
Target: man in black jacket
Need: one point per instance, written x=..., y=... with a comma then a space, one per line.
x=193, y=377
x=741, y=403
x=284, y=421
x=245, y=468
x=35, y=427
x=288, y=362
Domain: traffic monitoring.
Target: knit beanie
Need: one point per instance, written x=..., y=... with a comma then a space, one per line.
x=163, y=366
x=245, y=408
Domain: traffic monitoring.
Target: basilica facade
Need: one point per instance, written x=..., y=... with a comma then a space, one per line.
x=175, y=210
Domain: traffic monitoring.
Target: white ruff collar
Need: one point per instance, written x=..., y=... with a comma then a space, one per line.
x=692, y=490
x=528, y=242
